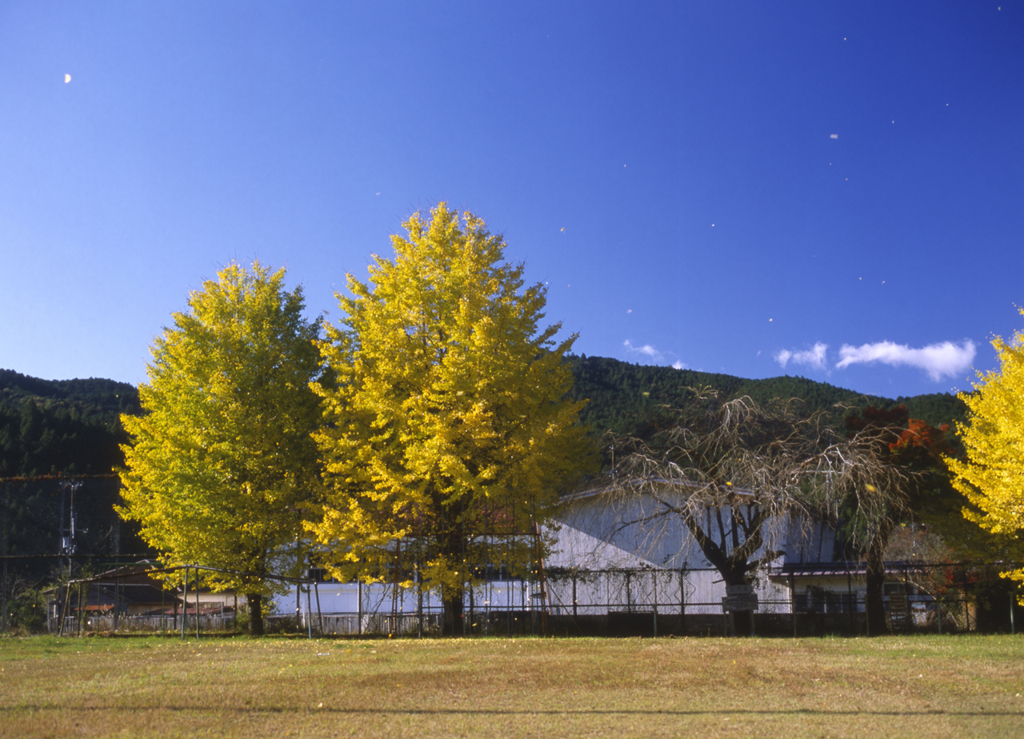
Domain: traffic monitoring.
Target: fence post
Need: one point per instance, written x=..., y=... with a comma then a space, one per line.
x=419, y=603
x=682, y=599
x=655, y=574
x=967, y=612
x=487, y=606
x=64, y=608
x=792, y=601
x=574, y=608
x=851, y=601
x=309, y=614
x=3, y=582
x=319, y=613
x=184, y=605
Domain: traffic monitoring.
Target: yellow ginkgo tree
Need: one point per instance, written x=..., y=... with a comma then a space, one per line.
x=448, y=433
x=992, y=476
x=221, y=461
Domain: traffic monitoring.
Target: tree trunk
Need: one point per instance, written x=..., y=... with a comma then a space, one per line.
x=742, y=621
x=255, y=601
x=730, y=556
x=452, y=613
x=453, y=546
x=875, y=576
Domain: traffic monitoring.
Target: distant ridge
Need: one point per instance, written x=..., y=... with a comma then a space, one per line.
x=61, y=426
x=73, y=426
x=623, y=396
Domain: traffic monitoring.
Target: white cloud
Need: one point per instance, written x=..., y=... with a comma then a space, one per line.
x=938, y=360
x=647, y=350
x=813, y=357
x=653, y=355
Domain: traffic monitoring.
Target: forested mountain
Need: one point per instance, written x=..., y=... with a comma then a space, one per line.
x=72, y=426
x=626, y=398
x=61, y=426
x=71, y=429
x=53, y=433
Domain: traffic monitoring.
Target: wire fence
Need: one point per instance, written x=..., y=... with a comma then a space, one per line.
x=786, y=601
x=793, y=601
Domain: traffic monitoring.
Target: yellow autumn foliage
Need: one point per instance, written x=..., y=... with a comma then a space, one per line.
x=447, y=433
x=992, y=477
x=221, y=459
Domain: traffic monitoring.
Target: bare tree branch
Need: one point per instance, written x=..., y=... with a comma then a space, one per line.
x=739, y=477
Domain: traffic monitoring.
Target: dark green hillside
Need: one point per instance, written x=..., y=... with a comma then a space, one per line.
x=72, y=428
x=628, y=398
x=936, y=409
x=61, y=426
x=52, y=432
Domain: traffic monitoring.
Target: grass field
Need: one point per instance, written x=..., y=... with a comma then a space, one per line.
x=950, y=686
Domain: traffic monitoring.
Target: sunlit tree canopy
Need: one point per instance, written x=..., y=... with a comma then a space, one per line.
x=222, y=460
x=992, y=476
x=448, y=434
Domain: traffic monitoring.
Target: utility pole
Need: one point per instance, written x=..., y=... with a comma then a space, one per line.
x=67, y=529
x=3, y=586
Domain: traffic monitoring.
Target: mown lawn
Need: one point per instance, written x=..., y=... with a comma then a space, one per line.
x=939, y=686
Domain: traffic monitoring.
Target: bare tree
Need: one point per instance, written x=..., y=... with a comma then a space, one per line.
x=739, y=476
x=867, y=495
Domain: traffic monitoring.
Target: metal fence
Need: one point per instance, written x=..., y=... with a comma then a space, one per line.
x=790, y=601
x=936, y=597
x=144, y=624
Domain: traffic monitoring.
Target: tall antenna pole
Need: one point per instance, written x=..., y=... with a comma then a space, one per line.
x=67, y=529
x=3, y=599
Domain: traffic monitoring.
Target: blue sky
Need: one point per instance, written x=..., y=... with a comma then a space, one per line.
x=834, y=190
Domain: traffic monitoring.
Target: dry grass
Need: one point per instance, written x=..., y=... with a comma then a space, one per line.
x=138, y=687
